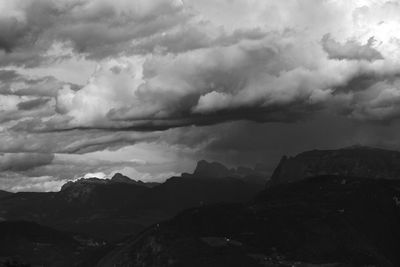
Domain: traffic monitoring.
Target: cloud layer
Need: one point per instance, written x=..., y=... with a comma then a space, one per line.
x=166, y=64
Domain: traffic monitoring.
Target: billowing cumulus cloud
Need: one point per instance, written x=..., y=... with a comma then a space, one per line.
x=259, y=71
x=164, y=67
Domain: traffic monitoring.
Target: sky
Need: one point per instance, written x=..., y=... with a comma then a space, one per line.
x=149, y=87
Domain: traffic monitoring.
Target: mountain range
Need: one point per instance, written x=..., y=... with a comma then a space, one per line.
x=111, y=209
x=319, y=208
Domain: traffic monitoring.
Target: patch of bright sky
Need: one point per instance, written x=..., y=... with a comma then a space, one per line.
x=153, y=161
x=150, y=155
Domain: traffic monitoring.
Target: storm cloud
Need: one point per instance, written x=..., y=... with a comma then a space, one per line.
x=24, y=161
x=84, y=77
x=33, y=103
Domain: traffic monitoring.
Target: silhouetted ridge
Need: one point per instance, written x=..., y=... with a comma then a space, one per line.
x=211, y=169
x=205, y=169
x=4, y=193
x=321, y=221
x=356, y=161
x=120, y=178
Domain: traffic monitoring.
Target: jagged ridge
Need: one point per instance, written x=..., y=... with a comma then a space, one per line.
x=356, y=161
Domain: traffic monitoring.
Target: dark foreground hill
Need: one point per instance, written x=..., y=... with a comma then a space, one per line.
x=4, y=194
x=321, y=221
x=30, y=244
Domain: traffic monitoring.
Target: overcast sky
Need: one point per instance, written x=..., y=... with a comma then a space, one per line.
x=148, y=87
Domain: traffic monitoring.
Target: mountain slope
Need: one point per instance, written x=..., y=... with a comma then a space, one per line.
x=333, y=220
x=179, y=193
x=4, y=193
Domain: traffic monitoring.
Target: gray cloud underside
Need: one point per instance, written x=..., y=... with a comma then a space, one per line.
x=96, y=28
x=33, y=103
x=71, y=142
x=24, y=161
x=188, y=74
x=350, y=50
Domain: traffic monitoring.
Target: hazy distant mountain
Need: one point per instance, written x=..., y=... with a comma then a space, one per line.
x=211, y=169
x=321, y=221
x=355, y=161
x=205, y=169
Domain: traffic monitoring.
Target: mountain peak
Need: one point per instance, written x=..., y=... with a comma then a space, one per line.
x=120, y=178
x=211, y=169
x=356, y=161
x=83, y=181
x=86, y=185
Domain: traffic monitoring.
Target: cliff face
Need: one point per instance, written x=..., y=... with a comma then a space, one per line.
x=353, y=161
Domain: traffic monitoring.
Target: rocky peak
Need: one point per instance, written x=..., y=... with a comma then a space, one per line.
x=90, y=182
x=211, y=169
x=120, y=178
x=82, y=188
x=356, y=161
x=83, y=182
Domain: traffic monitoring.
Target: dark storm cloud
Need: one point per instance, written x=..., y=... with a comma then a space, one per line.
x=24, y=161
x=242, y=81
x=247, y=79
x=248, y=143
x=11, y=34
x=33, y=103
x=191, y=36
x=71, y=142
x=198, y=73
x=15, y=83
x=351, y=50
x=109, y=142
x=6, y=78
x=17, y=115
x=97, y=29
x=8, y=75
